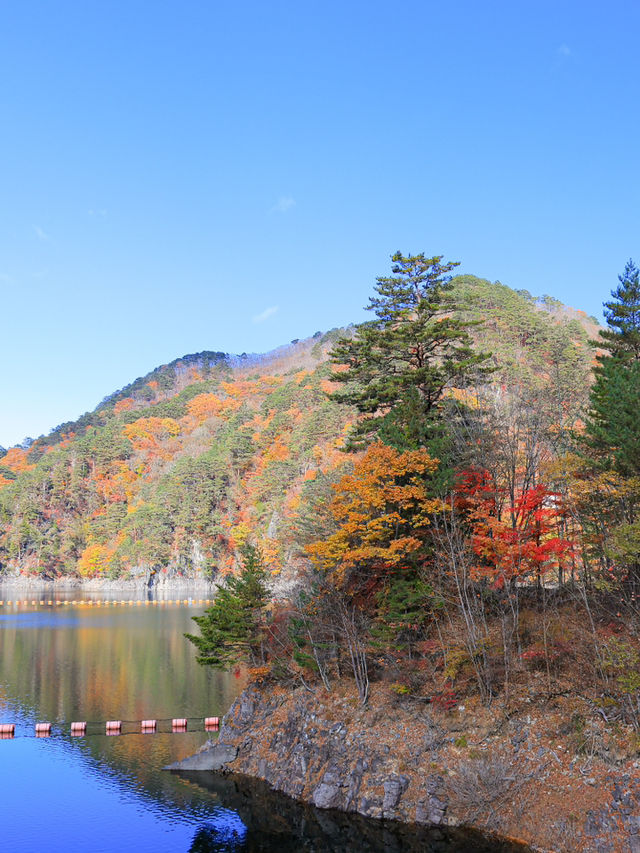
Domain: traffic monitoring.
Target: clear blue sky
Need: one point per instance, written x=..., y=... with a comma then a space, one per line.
x=180, y=175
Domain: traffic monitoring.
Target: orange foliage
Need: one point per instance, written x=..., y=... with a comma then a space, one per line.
x=117, y=483
x=270, y=550
x=95, y=560
x=277, y=452
x=146, y=432
x=16, y=459
x=243, y=388
x=151, y=436
x=383, y=510
x=206, y=406
x=123, y=405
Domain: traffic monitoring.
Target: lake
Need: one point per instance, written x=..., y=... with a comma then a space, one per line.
x=75, y=661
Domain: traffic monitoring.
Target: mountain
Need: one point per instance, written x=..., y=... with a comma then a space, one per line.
x=175, y=471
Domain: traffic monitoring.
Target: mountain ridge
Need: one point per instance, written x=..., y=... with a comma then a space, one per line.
x=177, y=469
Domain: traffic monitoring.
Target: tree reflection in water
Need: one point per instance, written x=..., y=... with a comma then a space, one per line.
x=256, y=818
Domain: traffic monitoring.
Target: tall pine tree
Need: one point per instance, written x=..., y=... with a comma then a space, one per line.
x=622, y=337
x=612, y=428
x=397, y=367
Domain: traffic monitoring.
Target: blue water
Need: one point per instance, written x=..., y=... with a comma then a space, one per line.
x=99, y=793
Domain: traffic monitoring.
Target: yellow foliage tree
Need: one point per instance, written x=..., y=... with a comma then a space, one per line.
x=95, y=560
x=206, y=406
x=383, y=514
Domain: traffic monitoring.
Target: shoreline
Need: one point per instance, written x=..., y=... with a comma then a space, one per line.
x=107, y=586
x=513, y=772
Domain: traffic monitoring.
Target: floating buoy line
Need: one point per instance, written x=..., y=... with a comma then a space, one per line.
x=82, y=728
x=191, y=602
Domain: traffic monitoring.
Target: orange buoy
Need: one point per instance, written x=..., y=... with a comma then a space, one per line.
x=148, y=725
x=179, y=724
x=7, y=730
x=78, y=729
x=43, y=729
x=211, y=722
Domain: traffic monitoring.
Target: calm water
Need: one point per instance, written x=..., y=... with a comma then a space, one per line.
x=100, y=793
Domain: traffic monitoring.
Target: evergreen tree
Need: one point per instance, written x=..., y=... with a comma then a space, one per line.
x=622, y=338
x=232, y=629
x=399, y=365
x=612, y=429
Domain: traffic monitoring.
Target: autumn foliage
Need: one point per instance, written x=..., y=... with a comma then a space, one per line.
x=382, y=511
x=518, y=541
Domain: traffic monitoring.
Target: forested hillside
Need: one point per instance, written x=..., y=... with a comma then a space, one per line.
x=176, y=471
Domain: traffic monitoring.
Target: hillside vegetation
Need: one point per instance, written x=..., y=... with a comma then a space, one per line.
x=437, y=507
x=483, y=543
x=175, y=472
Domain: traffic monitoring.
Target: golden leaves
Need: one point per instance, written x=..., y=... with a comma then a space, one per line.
x=383, y=510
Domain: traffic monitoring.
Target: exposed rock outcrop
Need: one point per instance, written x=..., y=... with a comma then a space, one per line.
x=504, y=773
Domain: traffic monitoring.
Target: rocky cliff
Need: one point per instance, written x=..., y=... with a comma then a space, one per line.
x=512, y=773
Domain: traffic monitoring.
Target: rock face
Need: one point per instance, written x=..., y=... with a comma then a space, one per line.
x=299, y=750
x=499, y=772
x=213, y=758
x=274, y=821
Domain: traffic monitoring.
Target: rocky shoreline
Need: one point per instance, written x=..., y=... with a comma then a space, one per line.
x=499, y=770
x=10, y=586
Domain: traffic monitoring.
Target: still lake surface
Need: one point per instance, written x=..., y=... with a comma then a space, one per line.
x=99, y=793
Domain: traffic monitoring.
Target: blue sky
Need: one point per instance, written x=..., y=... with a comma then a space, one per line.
x=179, y=176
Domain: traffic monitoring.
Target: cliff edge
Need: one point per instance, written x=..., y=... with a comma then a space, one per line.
x=519, y=774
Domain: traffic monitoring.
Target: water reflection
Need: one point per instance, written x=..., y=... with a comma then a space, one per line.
x=99, y=793
x=274, y=823
x=102, y=794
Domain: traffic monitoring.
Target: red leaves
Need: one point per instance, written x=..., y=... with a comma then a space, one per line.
x=519, y=540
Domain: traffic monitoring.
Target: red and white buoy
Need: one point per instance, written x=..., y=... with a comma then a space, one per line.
x=78, y=729
x=179, y=724
x=43, y=729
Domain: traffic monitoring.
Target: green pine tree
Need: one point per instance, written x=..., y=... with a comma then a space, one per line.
x=612, y=428
x=399, y=365
x=611, y=437
x=232, y=629
x=622, y=337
